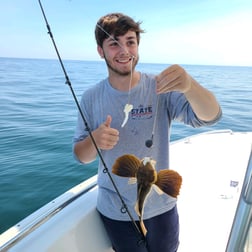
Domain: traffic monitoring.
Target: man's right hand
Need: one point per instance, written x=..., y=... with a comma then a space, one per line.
x=105, y=136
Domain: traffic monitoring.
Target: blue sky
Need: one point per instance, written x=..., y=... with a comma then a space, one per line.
x=215, y=32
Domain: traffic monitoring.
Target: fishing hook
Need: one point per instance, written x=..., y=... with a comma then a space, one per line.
x=68, y=82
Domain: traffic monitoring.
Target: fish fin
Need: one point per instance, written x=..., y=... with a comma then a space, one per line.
x=169, y=181
x=126, y=166
x=158, y=190
x=132, y=181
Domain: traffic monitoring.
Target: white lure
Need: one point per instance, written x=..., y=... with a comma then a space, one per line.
x=127, y=109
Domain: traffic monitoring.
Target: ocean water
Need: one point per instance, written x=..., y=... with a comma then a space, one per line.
x=38, y=117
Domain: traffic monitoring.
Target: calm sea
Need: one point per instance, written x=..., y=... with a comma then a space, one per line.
x=38, y=116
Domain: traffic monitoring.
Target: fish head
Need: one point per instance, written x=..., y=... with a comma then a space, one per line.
x=146, y=172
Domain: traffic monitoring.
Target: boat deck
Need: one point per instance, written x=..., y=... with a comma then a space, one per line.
x=212, y=182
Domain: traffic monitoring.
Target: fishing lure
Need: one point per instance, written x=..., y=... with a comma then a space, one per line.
x=127, y=109
x=143, y=172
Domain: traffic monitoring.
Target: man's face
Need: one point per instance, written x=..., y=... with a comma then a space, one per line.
x=121, y=53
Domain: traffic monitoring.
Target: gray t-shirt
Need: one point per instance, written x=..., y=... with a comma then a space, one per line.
x=102, y=100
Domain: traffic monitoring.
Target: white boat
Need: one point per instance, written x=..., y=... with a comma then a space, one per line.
x=214, y=204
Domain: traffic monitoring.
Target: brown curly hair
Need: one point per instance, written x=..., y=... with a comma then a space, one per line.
x=115, y=24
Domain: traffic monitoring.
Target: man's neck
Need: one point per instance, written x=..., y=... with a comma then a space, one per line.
x=124, y=83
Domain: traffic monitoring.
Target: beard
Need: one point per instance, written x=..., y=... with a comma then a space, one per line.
x=119, y=71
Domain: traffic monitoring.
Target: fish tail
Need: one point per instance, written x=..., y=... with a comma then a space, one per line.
x=169, y=181
x=143, y=228
x=137, y=209
x=126, y=166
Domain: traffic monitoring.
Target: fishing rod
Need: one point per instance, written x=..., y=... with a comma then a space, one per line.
x=124, y=208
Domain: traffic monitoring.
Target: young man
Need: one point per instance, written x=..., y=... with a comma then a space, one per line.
x=154, y=102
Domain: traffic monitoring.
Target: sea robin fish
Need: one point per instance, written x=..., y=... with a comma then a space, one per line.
x=144, y=173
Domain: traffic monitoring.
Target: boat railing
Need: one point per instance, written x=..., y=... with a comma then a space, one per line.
x=188, y=139
x=240, y=238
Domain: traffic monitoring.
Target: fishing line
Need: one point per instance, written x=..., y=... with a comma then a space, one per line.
x=131, y=76
x=149, y=142
x=128, y=107
x=124, y=208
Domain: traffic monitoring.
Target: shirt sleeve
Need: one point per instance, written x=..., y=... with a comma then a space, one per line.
x=179, y=109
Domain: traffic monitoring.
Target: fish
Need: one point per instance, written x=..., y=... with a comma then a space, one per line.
x=143, y=172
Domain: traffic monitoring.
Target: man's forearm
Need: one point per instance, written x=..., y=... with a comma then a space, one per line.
x=203, y=102
x=85, y=150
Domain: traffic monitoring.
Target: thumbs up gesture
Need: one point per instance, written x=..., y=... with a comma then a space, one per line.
x=105, y=136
